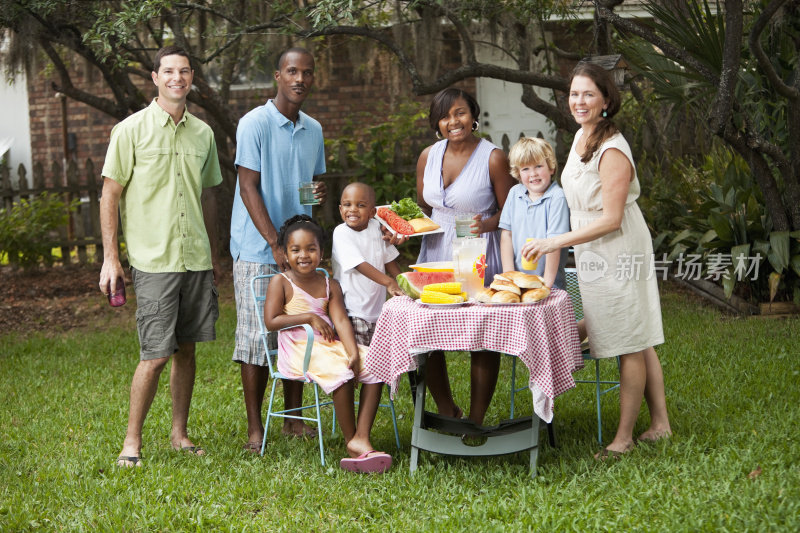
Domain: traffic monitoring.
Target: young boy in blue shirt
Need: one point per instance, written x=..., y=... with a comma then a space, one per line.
x=535, y=208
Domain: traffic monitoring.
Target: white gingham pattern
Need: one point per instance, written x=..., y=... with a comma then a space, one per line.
x=543, y=335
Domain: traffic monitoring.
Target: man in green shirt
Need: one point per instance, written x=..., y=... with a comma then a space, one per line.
x=160, y=166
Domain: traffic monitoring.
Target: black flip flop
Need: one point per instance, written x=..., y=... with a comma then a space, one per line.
x=122, y=459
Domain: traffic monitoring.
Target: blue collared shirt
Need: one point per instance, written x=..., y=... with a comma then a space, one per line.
x=539, y=218
x=285, y=155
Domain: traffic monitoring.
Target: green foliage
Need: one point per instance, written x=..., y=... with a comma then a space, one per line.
x=370, y=152
x=28, y=229
x=720, y=210
x=730, y=388
x=112, y=25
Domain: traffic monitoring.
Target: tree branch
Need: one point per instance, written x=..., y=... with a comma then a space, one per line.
x=105, y=105
x=731, y=55
x=552, y=112
x=763, y=61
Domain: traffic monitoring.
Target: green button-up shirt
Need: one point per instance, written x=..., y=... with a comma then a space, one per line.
x=163, y=168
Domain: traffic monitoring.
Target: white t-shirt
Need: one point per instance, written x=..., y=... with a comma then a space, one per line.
x=363, y=298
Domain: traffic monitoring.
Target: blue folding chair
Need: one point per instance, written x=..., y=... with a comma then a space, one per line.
x=259, y=296
x=571, y=278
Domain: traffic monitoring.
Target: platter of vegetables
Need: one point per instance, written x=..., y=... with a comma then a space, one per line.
x=405, y=217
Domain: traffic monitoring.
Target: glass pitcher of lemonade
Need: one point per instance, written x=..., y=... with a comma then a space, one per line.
x=469, y=263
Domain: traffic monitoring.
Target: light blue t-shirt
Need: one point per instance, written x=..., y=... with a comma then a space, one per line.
x=538, y=219
x=285, y=155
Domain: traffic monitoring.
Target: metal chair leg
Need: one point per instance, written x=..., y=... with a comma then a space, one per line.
x=269, y=416
x=599, y=412
x=319, y=424
x=513, y=385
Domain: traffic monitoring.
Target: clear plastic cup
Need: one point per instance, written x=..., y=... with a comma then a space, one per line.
x=307, y=193
x=463, y=223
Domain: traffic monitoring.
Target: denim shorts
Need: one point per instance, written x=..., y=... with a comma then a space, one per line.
x=174, y=308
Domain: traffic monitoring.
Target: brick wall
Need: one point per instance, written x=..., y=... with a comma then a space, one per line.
x=349, y=84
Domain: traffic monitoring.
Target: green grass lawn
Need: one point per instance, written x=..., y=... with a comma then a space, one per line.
x=733, y=390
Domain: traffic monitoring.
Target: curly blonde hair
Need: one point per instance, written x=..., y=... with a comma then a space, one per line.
x=530, y=150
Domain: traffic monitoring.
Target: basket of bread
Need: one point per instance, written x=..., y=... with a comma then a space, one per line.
x=514, y=287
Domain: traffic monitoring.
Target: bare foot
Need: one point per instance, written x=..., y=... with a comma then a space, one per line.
x=358, y=447
x=252, y=447
x=455, y=413
x=297, y=428
x=653, y=435
x=614, y=451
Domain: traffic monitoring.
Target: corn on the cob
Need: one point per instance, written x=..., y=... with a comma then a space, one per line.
x=435, y=297
x=450, y=287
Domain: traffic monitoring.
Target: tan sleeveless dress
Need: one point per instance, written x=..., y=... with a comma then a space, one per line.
x=615, y=272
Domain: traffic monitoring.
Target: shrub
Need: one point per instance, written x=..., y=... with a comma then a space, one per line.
x=29, y=229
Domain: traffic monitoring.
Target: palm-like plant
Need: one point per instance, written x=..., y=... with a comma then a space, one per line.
x=747, y=91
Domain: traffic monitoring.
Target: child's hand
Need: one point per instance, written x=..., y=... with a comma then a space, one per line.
x=395, y=239
x=355, y=363
x=394, y=289
x=322, y=327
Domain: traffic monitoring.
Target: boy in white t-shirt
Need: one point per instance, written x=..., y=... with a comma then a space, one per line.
x=363, y=263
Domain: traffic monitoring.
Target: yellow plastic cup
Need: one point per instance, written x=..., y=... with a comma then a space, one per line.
x=527, y=264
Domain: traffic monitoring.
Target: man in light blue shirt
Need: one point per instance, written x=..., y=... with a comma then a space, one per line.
x=278, y=147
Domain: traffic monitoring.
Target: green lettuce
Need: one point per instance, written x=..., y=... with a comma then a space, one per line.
x=407, y=208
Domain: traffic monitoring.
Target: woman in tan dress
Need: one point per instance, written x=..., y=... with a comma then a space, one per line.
x=613, y=255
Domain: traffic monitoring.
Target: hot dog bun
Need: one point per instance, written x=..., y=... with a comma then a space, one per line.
x=523, y=280
x=485, y=295
x=505, y=297
x=535, y=295
x=500, y=285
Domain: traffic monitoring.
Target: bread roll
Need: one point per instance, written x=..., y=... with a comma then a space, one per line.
x=523, y=280
x=499, y=285
x=505, y=297
x=485, y=295
x=501, y=277
x=423, y=224
x=534, y=295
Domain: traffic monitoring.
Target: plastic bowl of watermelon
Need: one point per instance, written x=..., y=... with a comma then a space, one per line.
x=440, y=266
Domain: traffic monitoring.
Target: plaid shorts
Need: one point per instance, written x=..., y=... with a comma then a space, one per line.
x=248, y=348
x=363, y=330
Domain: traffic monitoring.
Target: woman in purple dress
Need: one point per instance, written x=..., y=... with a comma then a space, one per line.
x=462, y=173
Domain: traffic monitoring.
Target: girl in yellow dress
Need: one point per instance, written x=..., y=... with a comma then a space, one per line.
x=302, y=295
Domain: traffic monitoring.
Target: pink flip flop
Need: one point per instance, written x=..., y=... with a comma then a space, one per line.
x=365, y=463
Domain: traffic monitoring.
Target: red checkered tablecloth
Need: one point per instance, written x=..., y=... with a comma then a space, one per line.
x=543, y=335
